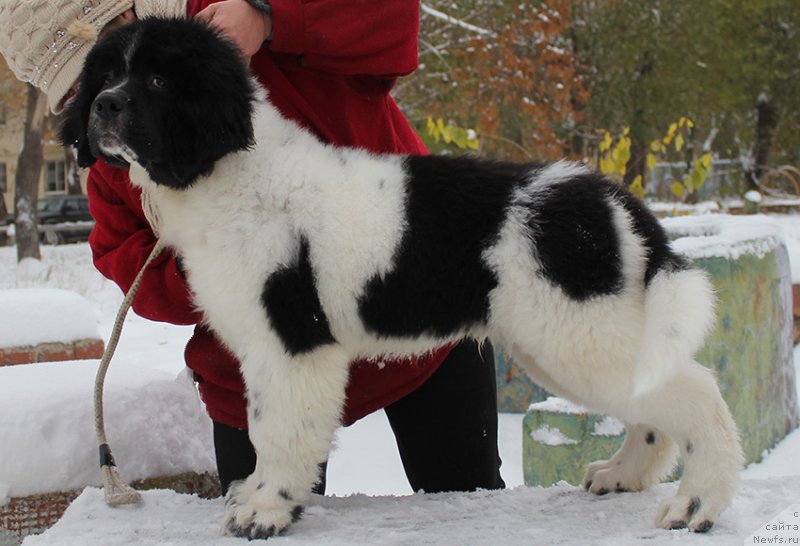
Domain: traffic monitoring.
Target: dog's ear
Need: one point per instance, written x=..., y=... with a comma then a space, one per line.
x=202, y=130
x=73, y=129
x=215, y=115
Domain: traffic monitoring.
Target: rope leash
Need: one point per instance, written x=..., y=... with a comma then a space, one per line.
x=116, y=491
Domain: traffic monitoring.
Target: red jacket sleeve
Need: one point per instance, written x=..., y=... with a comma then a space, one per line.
x=347, y=37
x=122, y=240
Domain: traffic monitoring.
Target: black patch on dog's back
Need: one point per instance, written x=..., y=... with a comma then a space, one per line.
x=293, y=308
x=455, y=208
x=645, y=225
x=575, y=238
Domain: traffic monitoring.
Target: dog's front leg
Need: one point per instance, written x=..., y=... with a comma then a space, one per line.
x=294, y=406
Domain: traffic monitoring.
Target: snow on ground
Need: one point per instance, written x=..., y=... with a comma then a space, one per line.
x=369, y=499
x=555, y=515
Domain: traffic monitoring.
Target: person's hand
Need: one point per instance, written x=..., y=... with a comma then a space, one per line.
x=241, y=22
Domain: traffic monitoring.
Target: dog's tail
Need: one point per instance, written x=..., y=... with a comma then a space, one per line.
x=679, y=313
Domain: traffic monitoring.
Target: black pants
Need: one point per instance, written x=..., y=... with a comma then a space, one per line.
x=446, y=430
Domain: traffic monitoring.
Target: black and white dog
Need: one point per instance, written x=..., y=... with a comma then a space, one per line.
x=304, y=256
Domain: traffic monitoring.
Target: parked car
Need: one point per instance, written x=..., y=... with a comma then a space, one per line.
x=64, y=219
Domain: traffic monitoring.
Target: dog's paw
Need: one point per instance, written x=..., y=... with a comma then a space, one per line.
x=604, y=477
x=255, y=512
x=682, y=512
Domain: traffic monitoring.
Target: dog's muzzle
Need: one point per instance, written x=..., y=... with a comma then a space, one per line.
x=107, y=121
x=109, y=104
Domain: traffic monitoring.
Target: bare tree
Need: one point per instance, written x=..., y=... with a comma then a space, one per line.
x=72, y=173
x=29, y=166
x=766, y=123
x=3, y=210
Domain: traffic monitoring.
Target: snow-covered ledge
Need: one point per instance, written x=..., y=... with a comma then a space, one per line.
x=46, y=325
x=724, y=236
x=155, y=424
x=750, y=348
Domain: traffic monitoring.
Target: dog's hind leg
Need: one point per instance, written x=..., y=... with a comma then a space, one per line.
x=646, y=456
x=689, y=407
x=294, y=407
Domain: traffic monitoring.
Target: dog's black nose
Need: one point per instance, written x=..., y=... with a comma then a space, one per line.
x=109, y=104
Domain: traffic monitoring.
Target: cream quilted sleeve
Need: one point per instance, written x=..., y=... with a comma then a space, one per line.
x=160, y=8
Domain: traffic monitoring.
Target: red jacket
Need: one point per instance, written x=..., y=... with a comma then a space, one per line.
x=330, y=66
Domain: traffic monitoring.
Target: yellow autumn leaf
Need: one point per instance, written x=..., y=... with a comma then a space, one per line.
x=677, y=190
x=672, y=129
x=447, y=134
x=678, y=142
x=651, y=161
x=605, y=145
x=688, y=182
x=636, y=187
x=621, y=155
x=705, y=160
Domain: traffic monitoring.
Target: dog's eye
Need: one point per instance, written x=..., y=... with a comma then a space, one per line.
x=157, y=82
x=107, y=77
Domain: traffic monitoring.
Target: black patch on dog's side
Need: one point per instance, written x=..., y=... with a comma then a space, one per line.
x=440, y=284
x=575, y=238
x=650, y=438
x=293, y=308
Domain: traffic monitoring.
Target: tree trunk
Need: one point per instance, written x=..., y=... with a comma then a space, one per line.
x=3, y=214
x=765, y=127
x=29, y=166
x=637, y=163
x=71, y=172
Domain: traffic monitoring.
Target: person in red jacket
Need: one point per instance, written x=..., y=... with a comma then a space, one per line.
x=330, y=65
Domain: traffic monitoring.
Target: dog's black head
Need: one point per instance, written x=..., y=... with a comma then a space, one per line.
x=173, y=95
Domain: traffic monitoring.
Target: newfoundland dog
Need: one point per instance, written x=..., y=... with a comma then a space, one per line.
x=304, y=256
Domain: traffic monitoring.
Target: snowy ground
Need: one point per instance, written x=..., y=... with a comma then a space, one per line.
x=542, y=516
x=369, y=499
